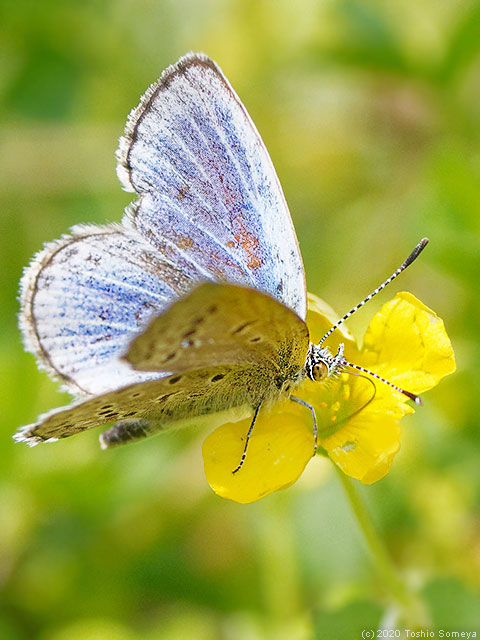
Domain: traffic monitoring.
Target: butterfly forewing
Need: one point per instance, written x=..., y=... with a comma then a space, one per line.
x=220, y=324
x=208, y=189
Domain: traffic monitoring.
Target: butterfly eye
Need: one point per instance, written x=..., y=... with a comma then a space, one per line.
x=319, y=371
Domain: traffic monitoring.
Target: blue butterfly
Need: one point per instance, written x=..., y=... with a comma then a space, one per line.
x=195, y=304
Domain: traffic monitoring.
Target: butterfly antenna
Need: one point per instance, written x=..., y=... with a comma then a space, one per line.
x=409, y=394
x=415, y=253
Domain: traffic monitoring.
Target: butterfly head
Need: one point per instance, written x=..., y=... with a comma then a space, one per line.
x=321, y=364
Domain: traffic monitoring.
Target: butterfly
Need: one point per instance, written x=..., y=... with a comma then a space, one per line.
x=196, y=303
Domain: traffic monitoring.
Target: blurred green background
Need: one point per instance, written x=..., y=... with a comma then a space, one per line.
x=370, y=111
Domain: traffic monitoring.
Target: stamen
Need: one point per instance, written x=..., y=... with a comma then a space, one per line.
x=415, y=253
x=364, y=406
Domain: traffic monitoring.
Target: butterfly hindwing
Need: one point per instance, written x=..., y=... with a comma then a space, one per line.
x=86, y=295
x=208, y=191
x=172, y=401
x=219, y=324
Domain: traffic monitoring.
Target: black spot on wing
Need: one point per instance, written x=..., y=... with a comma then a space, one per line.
x=242, y=327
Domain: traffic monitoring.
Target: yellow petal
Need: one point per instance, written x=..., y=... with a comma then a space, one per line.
x=279, y=449
x=364, y=449
x=357, y=424
x=406, y=343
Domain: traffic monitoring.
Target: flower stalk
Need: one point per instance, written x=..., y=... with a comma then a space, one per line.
x=411, y=608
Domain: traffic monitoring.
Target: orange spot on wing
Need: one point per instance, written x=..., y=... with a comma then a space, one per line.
x=248, y=242
x=183, y=192
x=184, y=242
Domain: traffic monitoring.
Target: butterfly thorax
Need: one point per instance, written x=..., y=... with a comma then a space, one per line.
x=321, y=364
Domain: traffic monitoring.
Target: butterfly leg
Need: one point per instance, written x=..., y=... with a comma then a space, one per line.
x=242, y=460
x=126, y=431
x=314, y=418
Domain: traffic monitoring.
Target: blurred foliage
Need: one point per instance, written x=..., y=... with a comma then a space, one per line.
x=370, y=111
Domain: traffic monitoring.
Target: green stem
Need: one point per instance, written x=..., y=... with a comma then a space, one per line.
x=410, y=605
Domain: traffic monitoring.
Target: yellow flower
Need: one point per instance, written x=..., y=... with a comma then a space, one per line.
x=357, y=418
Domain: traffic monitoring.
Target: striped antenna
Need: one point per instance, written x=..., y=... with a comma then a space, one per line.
x=412, y=396
x=415, y=253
